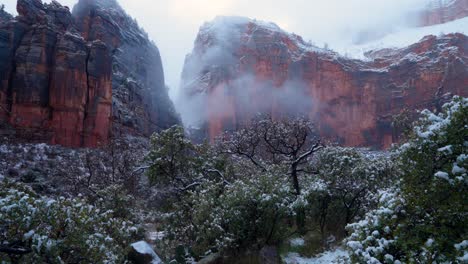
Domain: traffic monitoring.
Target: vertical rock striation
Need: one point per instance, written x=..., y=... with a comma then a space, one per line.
x=60, y=75
x=140, y=98
x=442, y=11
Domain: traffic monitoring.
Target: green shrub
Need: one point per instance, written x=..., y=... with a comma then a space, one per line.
x=434, y=183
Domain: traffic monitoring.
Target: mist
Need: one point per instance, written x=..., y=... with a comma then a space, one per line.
x=213, y=87
x=174, y=24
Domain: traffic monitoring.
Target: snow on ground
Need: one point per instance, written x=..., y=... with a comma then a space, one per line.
x=336, y=256
x=401, y=38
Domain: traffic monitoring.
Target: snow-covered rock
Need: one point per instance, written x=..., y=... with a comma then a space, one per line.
x=142, y=253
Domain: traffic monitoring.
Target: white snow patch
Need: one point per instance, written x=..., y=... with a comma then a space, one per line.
x=429, y=242
x=156, y=235
x=462, y=245
x=442, y=175
x=464, y=259
x=29, y=234
x=297, y=242
x=447, y=149
x=457, y=169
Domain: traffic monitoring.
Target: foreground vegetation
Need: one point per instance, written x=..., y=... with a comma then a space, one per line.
x=36, y=229
x=275, y=180
x=424, y=218
x=274, y=184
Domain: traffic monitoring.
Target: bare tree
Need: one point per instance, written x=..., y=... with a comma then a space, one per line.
x=267, y=142
x=291, y=141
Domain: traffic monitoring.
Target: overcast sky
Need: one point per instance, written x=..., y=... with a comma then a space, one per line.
x=173, y=24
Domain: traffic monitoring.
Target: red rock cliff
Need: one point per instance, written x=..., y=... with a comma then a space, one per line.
x=60, y=77
x=240, y=67
x=442, y=11
x=141, y=104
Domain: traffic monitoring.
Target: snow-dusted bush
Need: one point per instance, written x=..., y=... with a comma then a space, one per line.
x=233, y=195
x=425, y=221
x=245, y=214
x=349, y=181
x=175, y=161
x=42, y=230
x=373, y=239
x=56, y=170
x=115, y=199
x=172, y=158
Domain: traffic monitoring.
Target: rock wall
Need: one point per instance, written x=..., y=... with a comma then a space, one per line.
x=4, y=16
x=442, y=11
x=58, y=76
x=140, y=98
x=241, y=67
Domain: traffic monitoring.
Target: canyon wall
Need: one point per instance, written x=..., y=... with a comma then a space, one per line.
x=442, y=11
x=4, y=16
x=63, y=82
x=241, y=67
x=141, y=103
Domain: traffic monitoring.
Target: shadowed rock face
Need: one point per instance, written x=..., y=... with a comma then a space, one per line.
x=4, y=16
x=240, y=67
x=140, y=99
x=443, y=11
x=57, y=76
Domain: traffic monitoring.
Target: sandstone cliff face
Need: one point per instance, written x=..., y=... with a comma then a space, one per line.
x=240, y=67
x=57, y=76
x=140, y=99
x=40, y=97
x=443, y=11
x=4, y=16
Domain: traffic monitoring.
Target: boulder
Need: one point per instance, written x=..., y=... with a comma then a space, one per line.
x=142, y=253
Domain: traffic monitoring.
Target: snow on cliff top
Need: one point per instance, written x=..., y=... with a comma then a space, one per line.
x=226, y=27
x=229, y=29
x=402, y=38
x=223, y=22
x=434, y=4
